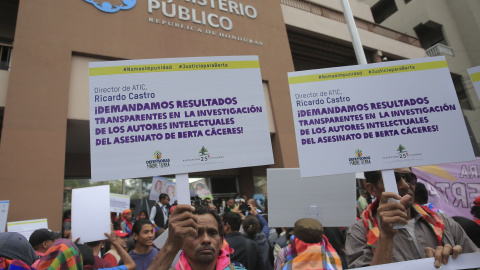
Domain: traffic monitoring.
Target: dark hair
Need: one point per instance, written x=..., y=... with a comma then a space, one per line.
x=87, y=254
x=251, y=226
x=231, y=198
x=132, y=205
x=137, y=226
x=162, y=196
x=421, y=193
x=94, y=243
x=475, y=211
x=117, y=225
x=233, y=219
x=471, y=228
x=202, y=210
x=143, y=211
x=66, y=214
x=373, y=177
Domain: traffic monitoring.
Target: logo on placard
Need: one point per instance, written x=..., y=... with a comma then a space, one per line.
x=158, y=162
x=401, y=154
x=359, y=159
x=107, y=7
x=204, y=156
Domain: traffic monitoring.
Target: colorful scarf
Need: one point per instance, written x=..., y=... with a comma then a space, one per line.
x=301, y=255
x=13, y=265
x=222, y=261
x=128, y=223
x=62, y=255
x=371, y=224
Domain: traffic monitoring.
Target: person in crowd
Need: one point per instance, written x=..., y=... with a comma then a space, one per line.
x=230, y=205
x=112, y=255
x=373, y=239
x=471, y=228
x=159, y=214
x=253, y=230
x=62, y=255
x=362, y=201
x=142, y=215
x=253, y=203
x=87, y=257
x=207, y=201
x=143, y=252
x=421, y=197
x=41, y=240
x=212, y=207
x=96, y=246
x=475, y=211
x=263, y=222
x=246, y=251
x=132, y=208
x=309, y=248
x=127, y=223
x=199, y=232
x=282, y=240
x=67, y=223
x=16, y=253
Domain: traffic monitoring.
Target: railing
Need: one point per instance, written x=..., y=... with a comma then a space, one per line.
x=439, y=49
x=362, y=24
x=5, y=56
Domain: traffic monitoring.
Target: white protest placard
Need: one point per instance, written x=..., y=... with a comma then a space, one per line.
x=474, y=73
x=378, y=116
x=157, y=188
x=3, y=214
x=119, y=202
x=463, y=261
x=179, y=115
x=27, y=227
x=90, y=213
x=329, y=199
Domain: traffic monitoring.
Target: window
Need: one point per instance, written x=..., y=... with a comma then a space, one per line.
x=383, y=9
x=430, y=33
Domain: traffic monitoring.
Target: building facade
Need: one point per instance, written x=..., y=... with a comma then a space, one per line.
x=46, y=47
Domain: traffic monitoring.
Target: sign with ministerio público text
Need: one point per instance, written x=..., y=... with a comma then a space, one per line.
x=376, y=117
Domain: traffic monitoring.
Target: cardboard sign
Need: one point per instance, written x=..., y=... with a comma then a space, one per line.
x=27, y=227
x=119, y=202
x=475, y=76
x=3, y=214
x=329, y=199
x=179, y=115
x=377, y=117
x=91, y=213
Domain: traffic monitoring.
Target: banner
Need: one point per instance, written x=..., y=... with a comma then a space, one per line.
x=377, y=117
x=452, y=187
x=27, y=227
x=179, y=115
x=475, y=76
x=199, y=188
x=163, y=185
x=119, y=202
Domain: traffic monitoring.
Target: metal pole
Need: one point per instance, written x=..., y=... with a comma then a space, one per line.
x=357, y=44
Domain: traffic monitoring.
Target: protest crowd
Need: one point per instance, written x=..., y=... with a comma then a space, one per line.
x=234, y=234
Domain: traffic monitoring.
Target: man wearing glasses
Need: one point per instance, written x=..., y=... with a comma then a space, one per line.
x=372, y=240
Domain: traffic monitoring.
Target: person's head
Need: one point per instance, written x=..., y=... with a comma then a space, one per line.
x=208, y=201
x=213, y=208
x=164, y=199
x=117, y=225
x=251, y=226
x=231, y=202
x=87, y=255
x=127, y=214
x=42, y=239
x=142, y=215
x=232, y=222
x=252, y=202
x=63, y=254
x=206, y=245
x=15, y=246
x=200, y=186
x=475, y=211
x=405, y=178
x=132, y=207
x=122, y=238
x=143, y=233
x=308, y=230
x=421, y=193
x=94, y=244
x=67, y=215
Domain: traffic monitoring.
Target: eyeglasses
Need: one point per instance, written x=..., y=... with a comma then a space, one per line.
x=410, y=178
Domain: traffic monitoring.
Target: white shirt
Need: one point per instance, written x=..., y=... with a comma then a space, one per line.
x=153, y=213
